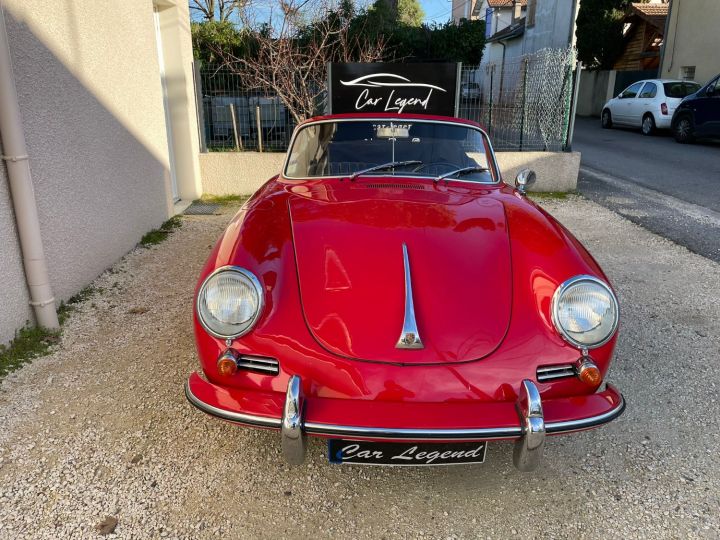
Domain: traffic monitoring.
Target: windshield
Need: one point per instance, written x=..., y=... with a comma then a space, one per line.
x=680, y=89
x=428, y=149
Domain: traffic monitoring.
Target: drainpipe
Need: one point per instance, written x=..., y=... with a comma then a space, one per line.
x=666, y=34
x=502, y=70
x=21, y=190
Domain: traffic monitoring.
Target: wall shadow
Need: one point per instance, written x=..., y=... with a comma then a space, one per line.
x=98, y=187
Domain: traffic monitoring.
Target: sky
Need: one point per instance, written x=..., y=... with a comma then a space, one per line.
x=437, y=10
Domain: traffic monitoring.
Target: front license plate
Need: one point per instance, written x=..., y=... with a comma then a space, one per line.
x=407, y=454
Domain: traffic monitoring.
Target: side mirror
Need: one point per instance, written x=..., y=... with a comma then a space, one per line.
x=524, y=180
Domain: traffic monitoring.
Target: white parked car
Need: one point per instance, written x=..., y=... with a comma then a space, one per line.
x=470, y=90
x=648, y=105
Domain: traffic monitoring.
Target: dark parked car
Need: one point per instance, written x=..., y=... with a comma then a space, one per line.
x=698, y=116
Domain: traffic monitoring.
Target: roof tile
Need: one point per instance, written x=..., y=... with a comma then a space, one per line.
x=504, y=3
x=651, y=9
x=655, y=14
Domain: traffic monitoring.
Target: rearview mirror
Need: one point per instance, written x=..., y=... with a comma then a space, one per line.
x=524, y=179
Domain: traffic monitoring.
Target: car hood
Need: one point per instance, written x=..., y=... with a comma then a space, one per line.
x=348, y=242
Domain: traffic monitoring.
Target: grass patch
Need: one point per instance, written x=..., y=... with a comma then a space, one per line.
x=33, y=341
x=29, y=342
x=66, y=308
x=558, y=195
x=156, y=236
x=224, y=200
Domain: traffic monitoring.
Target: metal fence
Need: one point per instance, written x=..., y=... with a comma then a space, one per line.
x=524, y=104
x=238, y=118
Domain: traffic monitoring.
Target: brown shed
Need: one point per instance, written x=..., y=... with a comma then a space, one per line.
x=643, y=38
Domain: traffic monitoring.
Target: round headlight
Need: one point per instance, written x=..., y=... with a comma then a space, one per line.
x=229, y=302
x=585, y=312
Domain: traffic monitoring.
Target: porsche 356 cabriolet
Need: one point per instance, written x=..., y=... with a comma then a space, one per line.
x=389, y=293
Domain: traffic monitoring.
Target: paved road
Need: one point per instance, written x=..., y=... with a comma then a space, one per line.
x=690, y=173
x=669, y=188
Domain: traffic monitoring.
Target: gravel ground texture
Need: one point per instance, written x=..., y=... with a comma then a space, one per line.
x=100, y=431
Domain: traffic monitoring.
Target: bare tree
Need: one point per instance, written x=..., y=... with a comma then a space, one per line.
x=293, y=54
x=217, y=10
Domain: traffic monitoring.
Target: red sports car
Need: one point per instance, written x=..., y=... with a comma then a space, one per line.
x=388, y=292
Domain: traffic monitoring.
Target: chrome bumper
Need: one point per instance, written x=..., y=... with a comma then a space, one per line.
x=530, y=433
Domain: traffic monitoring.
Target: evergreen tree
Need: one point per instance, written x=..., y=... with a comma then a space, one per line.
x=600, y=32
x=410, y=12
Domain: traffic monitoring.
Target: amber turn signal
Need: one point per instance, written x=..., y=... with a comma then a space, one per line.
x=227, y=365
x=588, y=372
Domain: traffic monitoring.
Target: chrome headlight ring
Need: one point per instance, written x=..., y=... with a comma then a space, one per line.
x=555, y=306
x=224, y=329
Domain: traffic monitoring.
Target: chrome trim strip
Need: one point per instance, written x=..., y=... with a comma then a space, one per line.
x=555, y=369
x=560, y=371
x=587, y=423
x=409, y=336
x=496, y=167
x=412, y=434
x=554, y=376
x=247, y=366
x=463, y=434
x=291, y=431
x=315, y=428
x=255, y=363
x=259, y=361
x=528, y=451
x=241, y=418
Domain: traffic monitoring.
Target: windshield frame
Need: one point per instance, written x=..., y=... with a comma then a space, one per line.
x=494, y=169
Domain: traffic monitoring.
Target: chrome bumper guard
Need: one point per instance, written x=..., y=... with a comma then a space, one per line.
x=527, y=453
x=291, y=429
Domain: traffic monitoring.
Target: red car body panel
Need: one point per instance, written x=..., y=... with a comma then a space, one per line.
x=403, y=415
x=543, y=253
x=486, y=262
x=348, y=240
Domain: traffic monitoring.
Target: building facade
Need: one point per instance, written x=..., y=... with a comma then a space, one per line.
x=497, y=14
x=692, y=41
x=106, y=100
x=534, y=25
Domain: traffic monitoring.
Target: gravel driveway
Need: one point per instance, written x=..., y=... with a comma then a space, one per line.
x=101, y=428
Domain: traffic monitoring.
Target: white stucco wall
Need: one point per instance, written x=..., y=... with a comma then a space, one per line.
x=90, y=94
x=89, y=90
x=14, y=307
x=554, y=26
x=692, y=39
x=556, y=171
x=595, y=89
x=229, y=173
x=226, y=173
x=178, y=55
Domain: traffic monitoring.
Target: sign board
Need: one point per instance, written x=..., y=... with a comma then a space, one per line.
x=394, y=88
